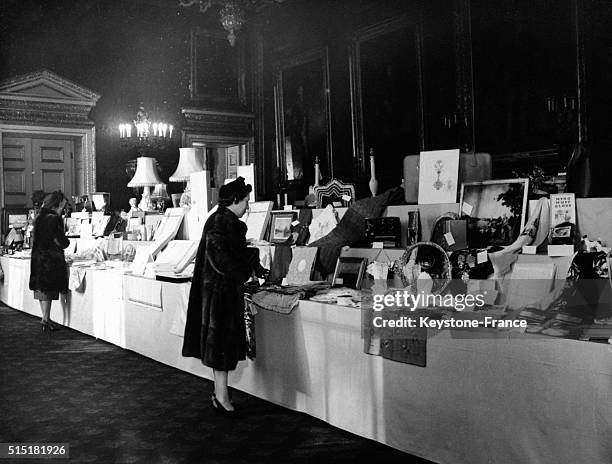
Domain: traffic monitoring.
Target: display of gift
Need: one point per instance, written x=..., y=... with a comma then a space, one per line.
x=455, y=235
x=385, y=230
x=177, y=255
x=563, y=224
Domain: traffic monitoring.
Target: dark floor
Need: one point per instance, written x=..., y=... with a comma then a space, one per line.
x=115, y=406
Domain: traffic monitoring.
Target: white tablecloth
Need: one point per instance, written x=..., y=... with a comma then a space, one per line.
x=501, y=400
x=95, y=311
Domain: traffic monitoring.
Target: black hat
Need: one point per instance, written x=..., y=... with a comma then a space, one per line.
x=235, y=190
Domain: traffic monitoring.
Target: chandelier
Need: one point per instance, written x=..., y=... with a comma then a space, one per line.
x=232, y=13
x=144, y=134
x=232, y=19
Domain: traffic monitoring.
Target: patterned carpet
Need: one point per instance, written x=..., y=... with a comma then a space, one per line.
x=115, y=406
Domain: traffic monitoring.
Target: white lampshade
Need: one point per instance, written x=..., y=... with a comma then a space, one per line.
x=188, y=164
x=146, y=173
x=160, y=192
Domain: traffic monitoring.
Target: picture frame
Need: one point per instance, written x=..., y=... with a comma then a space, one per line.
x=280, y=226
x=218, y=70
x=383, y=67
x=233, y=155
x=257, y=218
x=18, y=220
x=12, y=216
x=73, y=227
x=303, y=116
x=495, y=209
x=349, y=272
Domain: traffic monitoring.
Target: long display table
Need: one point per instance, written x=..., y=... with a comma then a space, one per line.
x=505, y=399
x=95, y=311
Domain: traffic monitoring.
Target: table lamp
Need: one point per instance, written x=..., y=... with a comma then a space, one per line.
x=189, y=162
x=145, y=176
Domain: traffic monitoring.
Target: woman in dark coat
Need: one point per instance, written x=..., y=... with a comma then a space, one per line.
x=48, y=269
x=215, y=330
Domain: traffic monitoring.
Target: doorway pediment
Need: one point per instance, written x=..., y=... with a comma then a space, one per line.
x=46, y=86
x=45, y=97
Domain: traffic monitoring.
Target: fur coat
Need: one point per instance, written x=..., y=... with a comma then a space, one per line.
x=48, y=269
x=215, y=329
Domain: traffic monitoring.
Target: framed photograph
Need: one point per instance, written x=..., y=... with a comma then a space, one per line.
x=280, y=225
x=303, y=129
x=495, y=210
x=349, y=272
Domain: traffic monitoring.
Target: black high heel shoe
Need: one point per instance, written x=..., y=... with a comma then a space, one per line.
x=220, y=409
x=48, y=326
x=213, y=397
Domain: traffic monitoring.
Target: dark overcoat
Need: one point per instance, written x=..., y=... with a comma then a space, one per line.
x=48, y=269
x=215, y=330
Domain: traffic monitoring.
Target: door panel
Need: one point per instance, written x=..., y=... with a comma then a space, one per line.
x=17, y=175
x=52, y=165
x=35, y=164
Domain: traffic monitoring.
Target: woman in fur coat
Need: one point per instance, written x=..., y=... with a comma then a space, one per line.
x=48, y=269
x=215, y=330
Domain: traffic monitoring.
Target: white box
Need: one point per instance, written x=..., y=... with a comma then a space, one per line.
x=561, y=250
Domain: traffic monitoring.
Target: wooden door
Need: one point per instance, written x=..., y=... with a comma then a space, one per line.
x=35, y=164
x=52, y=165
x=17, y=175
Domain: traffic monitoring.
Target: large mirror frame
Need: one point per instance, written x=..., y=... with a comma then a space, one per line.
x=303, y=121
x=389, y=124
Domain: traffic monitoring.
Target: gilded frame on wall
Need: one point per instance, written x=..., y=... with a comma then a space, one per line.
x=303, y=121
x=218, y=70
x=384, y=59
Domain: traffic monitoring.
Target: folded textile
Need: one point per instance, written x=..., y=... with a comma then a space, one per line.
x=76, y=278
x=280, y=263
x=249, y=322
x=309, y=288
x=276, y=302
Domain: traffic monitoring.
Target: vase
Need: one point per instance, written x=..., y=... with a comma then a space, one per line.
x=373, y=184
